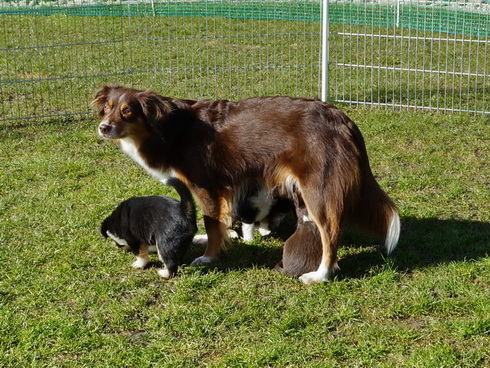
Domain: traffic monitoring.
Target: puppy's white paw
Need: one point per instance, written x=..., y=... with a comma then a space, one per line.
x=200, y=239
x=201, y=261
x=165, y=273
x=264, y=232
x=140, y=263
x=248, y=232
x=247, y=238
x=313, y=277
x=233, y=234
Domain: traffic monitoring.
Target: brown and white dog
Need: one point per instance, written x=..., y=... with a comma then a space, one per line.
x=290, y=144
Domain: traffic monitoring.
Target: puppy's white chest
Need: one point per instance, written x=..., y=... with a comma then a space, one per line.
x=127, y=145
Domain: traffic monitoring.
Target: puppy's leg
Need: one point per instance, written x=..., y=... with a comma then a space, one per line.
x=165, y=273
x=142, y=258
x=264, y=228
x=170, y=268
x=248, y=232
x=200, y=239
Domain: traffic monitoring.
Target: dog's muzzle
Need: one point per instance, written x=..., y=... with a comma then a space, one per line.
x=105, y=130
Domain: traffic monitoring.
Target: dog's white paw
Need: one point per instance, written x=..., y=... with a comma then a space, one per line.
x=165, y=273
x=248, y=238
x=200, y=239
x=201, y=261
x=140, y=263
x=313, y=277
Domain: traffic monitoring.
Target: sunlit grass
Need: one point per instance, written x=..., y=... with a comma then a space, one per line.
x=69, y=298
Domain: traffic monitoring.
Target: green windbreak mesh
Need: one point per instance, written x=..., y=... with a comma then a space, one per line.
x=425, y=18
x=305, y=11
x=449, y=18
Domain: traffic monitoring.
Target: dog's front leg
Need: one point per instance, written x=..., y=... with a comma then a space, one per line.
x=217, y=219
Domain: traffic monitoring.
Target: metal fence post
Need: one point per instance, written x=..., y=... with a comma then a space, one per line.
x=325, y=55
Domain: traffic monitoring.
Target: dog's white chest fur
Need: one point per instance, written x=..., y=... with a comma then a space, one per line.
x=127, y=145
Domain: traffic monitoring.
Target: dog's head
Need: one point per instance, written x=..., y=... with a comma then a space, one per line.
x=127, y=112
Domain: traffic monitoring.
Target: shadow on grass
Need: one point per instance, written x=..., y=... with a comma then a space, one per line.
x=427, y=242
x=423, y=243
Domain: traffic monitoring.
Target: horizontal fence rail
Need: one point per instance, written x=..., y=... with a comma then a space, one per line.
x=402, y=54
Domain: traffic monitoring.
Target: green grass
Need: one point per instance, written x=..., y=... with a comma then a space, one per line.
x=69, y=298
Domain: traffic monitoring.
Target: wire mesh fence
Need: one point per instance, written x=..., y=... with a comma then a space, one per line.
x=430, y=55
x=55, y=54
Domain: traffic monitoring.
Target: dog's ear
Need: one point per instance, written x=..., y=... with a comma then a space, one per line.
x=103, y=229
x=155, y=108
x=166, y=116
x=101, y=97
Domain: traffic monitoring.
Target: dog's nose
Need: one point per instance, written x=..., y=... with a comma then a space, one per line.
x=104, y=129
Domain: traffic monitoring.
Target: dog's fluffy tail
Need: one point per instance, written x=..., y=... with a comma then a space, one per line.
x=375, y=212
x=186, y=201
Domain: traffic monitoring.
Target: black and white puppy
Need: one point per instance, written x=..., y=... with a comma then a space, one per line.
x=258, y=209
x=255, y=208
x=139, y=223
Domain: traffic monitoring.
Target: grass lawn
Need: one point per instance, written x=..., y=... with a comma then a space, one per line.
x=69, y=298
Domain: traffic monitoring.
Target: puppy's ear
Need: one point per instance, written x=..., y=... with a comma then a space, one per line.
x=103, y=229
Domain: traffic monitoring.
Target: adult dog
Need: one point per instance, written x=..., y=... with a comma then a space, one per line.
x=287, y=144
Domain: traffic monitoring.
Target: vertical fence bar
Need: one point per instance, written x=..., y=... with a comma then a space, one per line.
x=325, y=47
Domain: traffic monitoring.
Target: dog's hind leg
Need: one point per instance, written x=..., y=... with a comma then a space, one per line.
x=327, y=218
x=328, y=264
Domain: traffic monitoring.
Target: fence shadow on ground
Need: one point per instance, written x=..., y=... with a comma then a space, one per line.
x=423, y=243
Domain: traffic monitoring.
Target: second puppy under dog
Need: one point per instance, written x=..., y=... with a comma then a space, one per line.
x=257, y=209
x=302, y=251
x=166, y=223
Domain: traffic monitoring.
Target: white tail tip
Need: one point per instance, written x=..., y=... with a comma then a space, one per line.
x=393, y=233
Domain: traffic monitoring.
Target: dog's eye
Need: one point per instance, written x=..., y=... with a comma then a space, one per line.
x=108, y=106
x=126, y=111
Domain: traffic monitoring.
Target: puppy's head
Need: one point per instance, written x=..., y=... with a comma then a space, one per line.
x=105, y=230
x=127, y=112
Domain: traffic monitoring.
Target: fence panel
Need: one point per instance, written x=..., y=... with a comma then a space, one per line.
x=54, y=55
x=431, y=55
